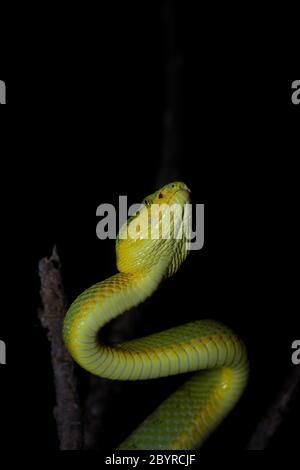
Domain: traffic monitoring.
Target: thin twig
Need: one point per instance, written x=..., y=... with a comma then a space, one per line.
x=277, y=412
x=54, y=305
x=172, y=126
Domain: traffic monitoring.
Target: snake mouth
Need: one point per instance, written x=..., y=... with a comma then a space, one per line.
x=182, y=195
x=183, y=189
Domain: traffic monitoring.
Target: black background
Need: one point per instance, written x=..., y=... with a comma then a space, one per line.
x=83, y=125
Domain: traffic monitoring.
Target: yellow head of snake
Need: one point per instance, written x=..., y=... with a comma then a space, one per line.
x=157, y=232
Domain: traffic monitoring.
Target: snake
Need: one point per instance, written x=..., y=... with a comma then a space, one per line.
x=150, y=247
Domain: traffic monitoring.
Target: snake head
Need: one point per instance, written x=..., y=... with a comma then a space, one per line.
x=156, y=234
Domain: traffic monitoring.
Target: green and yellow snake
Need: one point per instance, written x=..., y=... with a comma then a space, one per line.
x=215, y=353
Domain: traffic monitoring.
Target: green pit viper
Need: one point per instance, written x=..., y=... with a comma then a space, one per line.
x=216, y=355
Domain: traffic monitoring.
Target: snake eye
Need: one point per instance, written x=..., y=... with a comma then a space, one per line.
x=160, y=196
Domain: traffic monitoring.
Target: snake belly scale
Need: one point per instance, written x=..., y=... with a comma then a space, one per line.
x=211, y=350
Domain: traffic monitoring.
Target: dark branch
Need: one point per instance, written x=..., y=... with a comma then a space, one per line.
x=172, y=126
x=54, y=305
x=276, y=413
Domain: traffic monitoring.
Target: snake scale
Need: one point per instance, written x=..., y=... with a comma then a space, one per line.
x=216, y=355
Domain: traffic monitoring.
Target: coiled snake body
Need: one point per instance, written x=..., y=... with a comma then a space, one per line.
x=190, y=414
